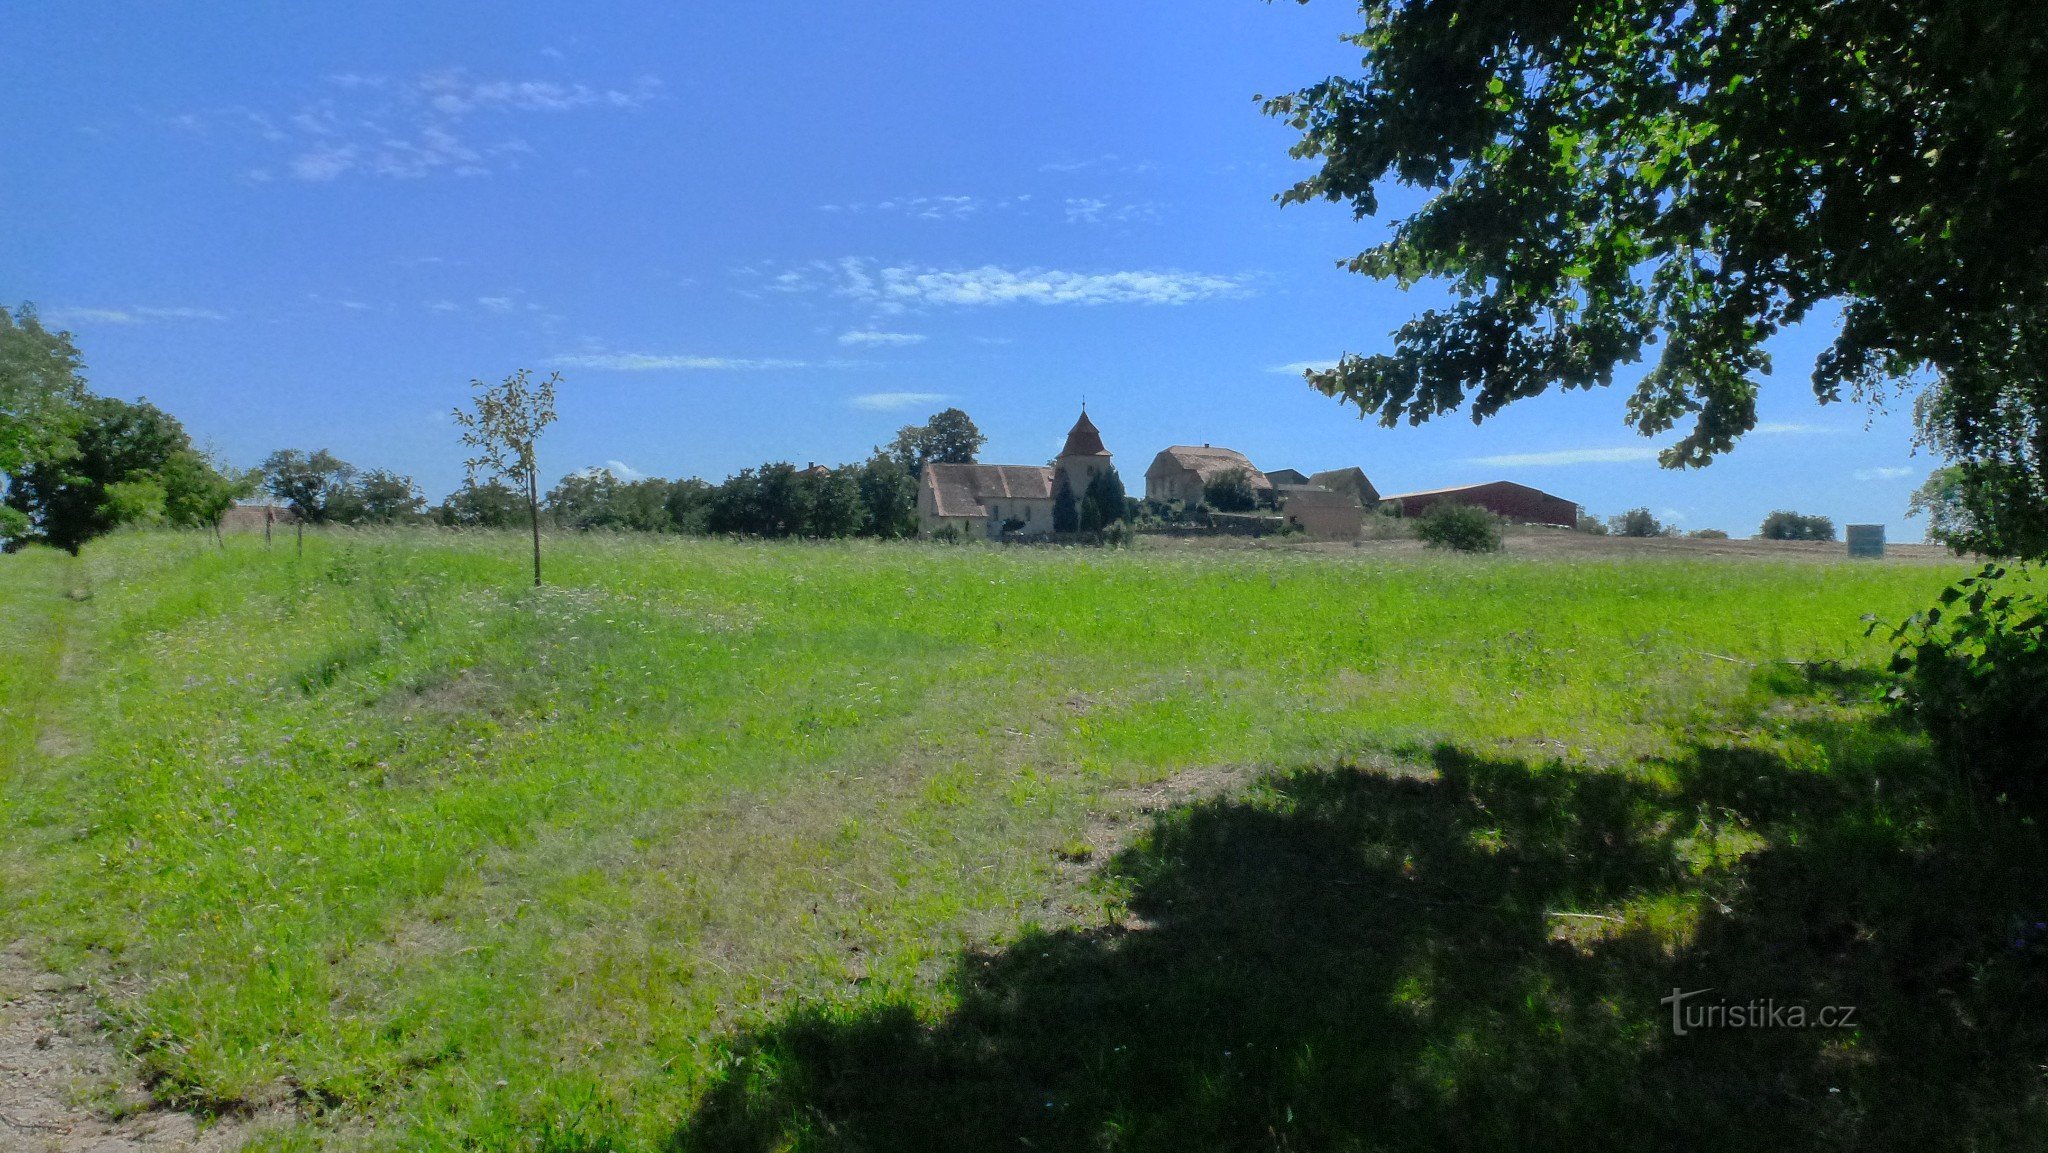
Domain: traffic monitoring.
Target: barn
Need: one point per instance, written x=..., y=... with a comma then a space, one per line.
x=1516, y=502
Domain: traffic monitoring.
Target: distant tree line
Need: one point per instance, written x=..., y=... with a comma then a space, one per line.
x=876, y=497
x=77, y=465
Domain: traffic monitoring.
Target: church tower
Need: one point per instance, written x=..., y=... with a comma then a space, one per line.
x=1081, y=459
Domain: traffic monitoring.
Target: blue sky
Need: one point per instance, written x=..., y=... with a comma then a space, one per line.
x=768, y=231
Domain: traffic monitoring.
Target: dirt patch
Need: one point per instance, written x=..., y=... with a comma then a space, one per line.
x=63, y=1086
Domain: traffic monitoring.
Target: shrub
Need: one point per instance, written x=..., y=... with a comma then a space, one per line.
x=1786, y=525
x=1230, y=491
x=1459, y=527
x=1977, y=680
x=1707, y=534
x=1637, y=522
x=1591, y=524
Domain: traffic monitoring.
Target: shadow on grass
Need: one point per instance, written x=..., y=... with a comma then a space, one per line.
x=1475, y=956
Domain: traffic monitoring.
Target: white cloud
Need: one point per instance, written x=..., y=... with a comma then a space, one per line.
x=881, y=338
x=1793, y=428
x=624, y=471
x=1567, y=456
x=1301, y=366
x=920, y=207
x=646, y=362
x=498, y=303
x=1892, y=473
x=886, y=401
x=442, y=306
x=897, y=287
x=1095, y=210
x=132, y=315
x=405, y=129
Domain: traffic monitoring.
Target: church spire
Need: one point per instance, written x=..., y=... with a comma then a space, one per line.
x=1083, y=439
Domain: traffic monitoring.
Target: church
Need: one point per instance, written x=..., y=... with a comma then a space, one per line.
x=991, y=501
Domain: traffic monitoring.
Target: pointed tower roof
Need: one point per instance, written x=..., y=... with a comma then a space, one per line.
x=1083, y=440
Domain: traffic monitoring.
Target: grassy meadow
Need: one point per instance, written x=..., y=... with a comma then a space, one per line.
x=850, y=846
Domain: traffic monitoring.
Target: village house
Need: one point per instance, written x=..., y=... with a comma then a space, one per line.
x=1184, y=471
x=991, y=501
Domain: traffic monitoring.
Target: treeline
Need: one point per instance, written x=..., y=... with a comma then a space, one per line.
x=876, y=497
x=78, y=464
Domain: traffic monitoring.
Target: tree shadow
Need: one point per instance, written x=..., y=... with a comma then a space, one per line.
x=1477, y=955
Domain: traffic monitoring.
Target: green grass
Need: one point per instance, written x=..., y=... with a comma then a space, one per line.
x=712, y=845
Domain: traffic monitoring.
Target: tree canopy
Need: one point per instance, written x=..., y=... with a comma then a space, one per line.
x=949, y=437
x=1613, y=176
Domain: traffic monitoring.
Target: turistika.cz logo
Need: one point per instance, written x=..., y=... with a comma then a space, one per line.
x=1688, y=1015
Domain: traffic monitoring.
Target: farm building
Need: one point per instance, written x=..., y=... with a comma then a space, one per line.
x=1286, y=476
x=978, y=500
x=1324, y=513
x=1349, y=480
x=1516, y=502
x=253, y=517
x=1183, y=471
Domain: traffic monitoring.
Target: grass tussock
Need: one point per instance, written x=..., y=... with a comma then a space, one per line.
x=714, y=845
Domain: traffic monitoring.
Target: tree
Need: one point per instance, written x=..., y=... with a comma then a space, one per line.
x=1637, y=522
x=1784, y=525
x=41, y=388
x=949, y=437
x=583, y=500
x=1458, y=527
x=505, y=429
x=770, y=501
x=486, y=505
x=687, y=503
x=388, y=498
x=833, y=506
x=1612, y=175
x=316, y=485
x=1066, y=511
x=1102, y=502
x=199, y=490
x=107, y=471
x=888, y=497
x=1230, y=490
x=1945, y=498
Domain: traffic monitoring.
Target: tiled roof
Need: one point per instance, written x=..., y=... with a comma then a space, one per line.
x=966, y=489
x=1206, y=462
x=1083, y=440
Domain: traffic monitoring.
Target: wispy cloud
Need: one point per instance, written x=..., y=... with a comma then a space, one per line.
x=887, y=401
x=1566, y=456
x=1096, y=210
x=133, y=315
x=439, y=122
x=624, y=471
x=1794, y=428
x=1891, y=473
x=1301, y=366
x=650, y=362
x=873, y=339
x=896, y=287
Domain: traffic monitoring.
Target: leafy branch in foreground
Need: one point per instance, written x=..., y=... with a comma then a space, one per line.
x=1612, y=175
x=504, y=430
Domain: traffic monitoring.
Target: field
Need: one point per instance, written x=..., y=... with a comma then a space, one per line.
x=748, y=846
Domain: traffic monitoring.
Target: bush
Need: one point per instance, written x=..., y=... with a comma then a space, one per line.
x=1230, y=491
x=1459, y=527
x=1977, y=680
x=1707, y=534
x=1591, y=524
x=1637, y=522
x=1785, y=525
